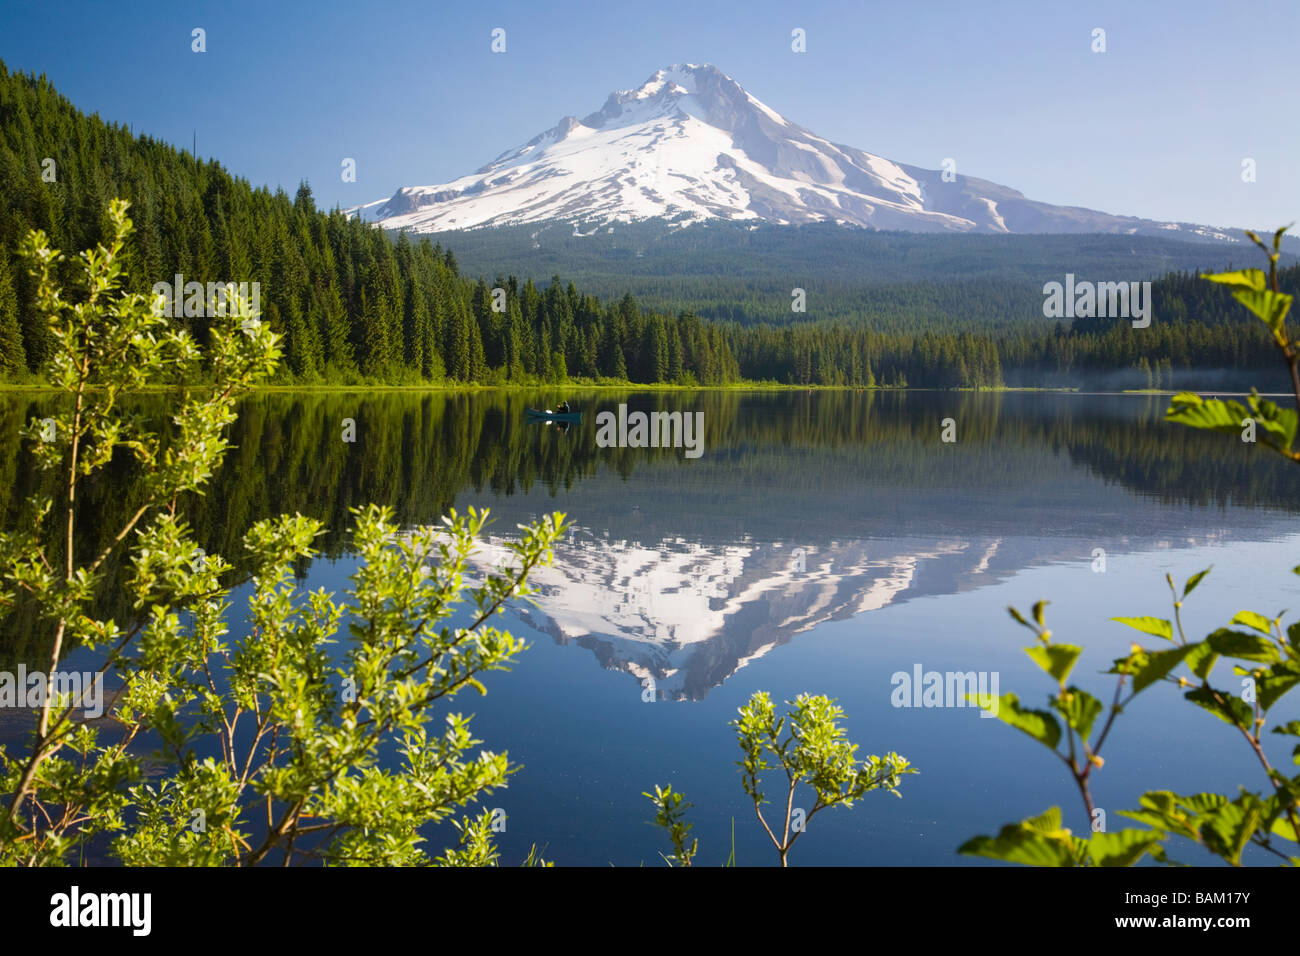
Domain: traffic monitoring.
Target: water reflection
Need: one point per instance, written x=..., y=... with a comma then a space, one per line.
x=804, y=508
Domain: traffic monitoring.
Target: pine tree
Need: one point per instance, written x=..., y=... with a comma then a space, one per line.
x=477, y=362
x=656, y=350
x=456, y=348
x=558, y=373
x=334, y=335
x=13, y=359
x=612, y=361
x=674, y=353
x=515, y=336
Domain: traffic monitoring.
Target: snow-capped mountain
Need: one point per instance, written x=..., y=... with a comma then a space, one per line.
x=682, y=617
x=691, y=144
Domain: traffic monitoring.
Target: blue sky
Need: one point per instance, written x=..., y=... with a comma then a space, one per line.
x=1156, y=126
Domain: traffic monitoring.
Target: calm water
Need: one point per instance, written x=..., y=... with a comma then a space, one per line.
x=821, y=543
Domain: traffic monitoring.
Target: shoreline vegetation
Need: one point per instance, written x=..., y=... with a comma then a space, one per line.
x=573, y=387
x=623, y=387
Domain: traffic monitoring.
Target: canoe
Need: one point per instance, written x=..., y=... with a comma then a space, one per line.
x=554, y=416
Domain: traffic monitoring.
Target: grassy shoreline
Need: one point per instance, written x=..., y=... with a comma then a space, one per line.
x=576, y=387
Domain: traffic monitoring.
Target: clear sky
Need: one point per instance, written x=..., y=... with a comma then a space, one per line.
x=1156, y=126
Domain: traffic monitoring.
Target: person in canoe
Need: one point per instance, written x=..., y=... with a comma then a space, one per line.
x=563, y=409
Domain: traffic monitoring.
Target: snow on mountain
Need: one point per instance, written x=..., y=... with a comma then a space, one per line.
x=682, y=617
x=691, y=144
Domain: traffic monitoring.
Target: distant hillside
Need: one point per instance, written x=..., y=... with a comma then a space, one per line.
x=825, y=251
x=893, y=281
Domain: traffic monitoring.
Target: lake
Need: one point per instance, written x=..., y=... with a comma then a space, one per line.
x=821, y=542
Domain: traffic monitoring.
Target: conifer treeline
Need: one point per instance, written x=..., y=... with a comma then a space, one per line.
x=356, y=304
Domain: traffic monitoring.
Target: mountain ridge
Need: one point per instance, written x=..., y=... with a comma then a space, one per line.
x=690, y=145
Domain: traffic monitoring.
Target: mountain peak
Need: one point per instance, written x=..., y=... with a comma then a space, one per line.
x=699, y=90
x=691, y=144
x=680, y=78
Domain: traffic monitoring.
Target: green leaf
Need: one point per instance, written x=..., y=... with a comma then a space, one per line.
x=1147, y=667
x=1276, y=682
x=1195, y=579
x=1268, y=305
x=1080, y=710
x=1239, y=644
x=1277, y=237
x=1038, y=613
x=1188, y=408
x=1161, y=809
x=1038, y=724
x=1277, y=422
x=1250, y=279
x=1228, y=829
x=1055, y=659
x=1204, y=802
x=1122, y=847
x=1158, y=666
x=1156, y=626
x=1282, y=827
x=1038, y=841
x=1201, y=658
x=1258, y=621
x=1274, y=812
x=1227, y=707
